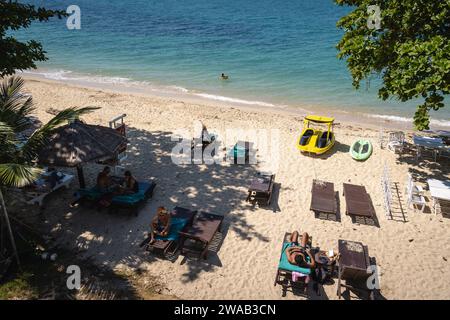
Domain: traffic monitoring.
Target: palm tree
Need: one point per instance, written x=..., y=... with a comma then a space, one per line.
x=17, y=155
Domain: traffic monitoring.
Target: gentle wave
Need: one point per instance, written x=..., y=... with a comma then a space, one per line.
x=441, y=123
x=68, y=75
x=234, y=100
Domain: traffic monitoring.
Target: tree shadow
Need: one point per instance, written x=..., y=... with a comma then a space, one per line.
x=114, y=239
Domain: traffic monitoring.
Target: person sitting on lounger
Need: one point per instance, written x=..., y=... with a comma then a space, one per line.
x=104, y=183
x=160, y=225
x=130, y=185
x=297, y=254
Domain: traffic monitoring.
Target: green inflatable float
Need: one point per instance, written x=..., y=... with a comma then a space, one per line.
x=361, y=149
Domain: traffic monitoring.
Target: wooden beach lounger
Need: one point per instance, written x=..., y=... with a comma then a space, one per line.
x=285, y=269
x=353, y=262
x=358, y=202
x=173, y=240
x=323, y=198
x=197, y=237
x=260, y=190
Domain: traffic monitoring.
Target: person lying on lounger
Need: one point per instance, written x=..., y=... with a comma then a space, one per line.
x=297, y=254
x=160, y=225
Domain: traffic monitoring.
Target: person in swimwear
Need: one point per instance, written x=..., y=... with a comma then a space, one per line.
x=298, y=254
x=160, y=225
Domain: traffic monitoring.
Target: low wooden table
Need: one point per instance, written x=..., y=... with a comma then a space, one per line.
x=261, y=188
x=201, y=232
x=353, y=263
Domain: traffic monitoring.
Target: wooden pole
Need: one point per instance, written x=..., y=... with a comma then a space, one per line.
x=8, y=226
x=81, y=177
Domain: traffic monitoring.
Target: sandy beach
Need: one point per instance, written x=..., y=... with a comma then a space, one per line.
x=411, y=250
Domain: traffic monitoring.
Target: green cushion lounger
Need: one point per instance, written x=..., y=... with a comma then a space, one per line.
x=361, y=149
x=285, y=269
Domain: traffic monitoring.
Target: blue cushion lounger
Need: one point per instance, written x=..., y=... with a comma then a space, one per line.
x=182, y=218
x=286, y=265
x=134, y=197
x=176, y=225
x=127, y=200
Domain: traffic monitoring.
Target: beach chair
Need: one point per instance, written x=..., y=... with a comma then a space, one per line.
x=196, y=238
x=396, y=141
x=202, y=137
x=285, y=269
x=261, y=189
x=414, y=194
x=130, y=202
x=36, y=194
x=353, y=266
x=358, y=203
x=323, y=198
x=181, y=219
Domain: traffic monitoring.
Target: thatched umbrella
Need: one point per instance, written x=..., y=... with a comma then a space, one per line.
x=78, y=143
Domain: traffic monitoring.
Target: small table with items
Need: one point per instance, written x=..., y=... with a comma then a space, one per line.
x=260, y=189
x=323, y=260
x=354, y=262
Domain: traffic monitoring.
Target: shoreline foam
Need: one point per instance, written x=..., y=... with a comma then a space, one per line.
x=127, y=85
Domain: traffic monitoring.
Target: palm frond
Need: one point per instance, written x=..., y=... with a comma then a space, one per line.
x=40, y=137
x=5, y=130
x=11, y=87
x=15, y=108
x=67, y=115
x=18, y=175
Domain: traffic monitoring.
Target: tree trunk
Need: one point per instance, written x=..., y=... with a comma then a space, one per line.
x=8, y=226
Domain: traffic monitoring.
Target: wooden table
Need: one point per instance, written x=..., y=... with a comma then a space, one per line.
x=353, y=263
x=201, y=232
x=261, y=188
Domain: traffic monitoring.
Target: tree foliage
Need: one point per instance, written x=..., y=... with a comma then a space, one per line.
x=16, y=55
x=18, y=156
x=410, y=52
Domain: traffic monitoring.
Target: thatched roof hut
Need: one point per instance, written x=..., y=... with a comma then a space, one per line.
x=78, y=143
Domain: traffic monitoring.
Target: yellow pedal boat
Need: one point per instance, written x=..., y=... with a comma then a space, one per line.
x=316, y=140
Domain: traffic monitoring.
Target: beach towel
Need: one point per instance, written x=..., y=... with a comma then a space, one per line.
x=286, y=265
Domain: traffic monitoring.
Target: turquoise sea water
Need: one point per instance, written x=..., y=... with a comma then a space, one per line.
x=275, y=52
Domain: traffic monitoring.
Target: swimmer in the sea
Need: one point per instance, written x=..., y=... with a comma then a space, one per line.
x=223, y=76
